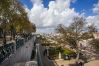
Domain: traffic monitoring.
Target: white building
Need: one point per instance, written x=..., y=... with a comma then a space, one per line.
x=96, y=35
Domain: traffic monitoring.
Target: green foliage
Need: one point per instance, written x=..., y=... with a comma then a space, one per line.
x=13, y=14
x=13, y=18
x=67, y=52
x=53, y=52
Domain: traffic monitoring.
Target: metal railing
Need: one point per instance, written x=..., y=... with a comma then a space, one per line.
x=19, y=43
x=38, y=54
x=7, y=49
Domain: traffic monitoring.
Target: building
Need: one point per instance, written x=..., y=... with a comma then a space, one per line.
x=96, y=35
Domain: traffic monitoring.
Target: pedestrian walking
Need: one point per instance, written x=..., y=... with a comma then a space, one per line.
x=81, y=64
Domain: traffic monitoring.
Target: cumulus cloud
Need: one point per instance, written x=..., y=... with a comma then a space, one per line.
x=95, y=18
x=96, y=9
x=45, y=30
x=58, y=12
x=36, y=1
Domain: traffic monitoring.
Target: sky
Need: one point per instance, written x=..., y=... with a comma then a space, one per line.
x=47, y=14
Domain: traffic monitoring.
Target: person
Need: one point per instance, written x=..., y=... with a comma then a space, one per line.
x=45, y=52
x=66, y=57
x=80, y=64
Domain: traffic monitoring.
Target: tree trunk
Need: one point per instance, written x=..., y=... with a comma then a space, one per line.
x=4, y=37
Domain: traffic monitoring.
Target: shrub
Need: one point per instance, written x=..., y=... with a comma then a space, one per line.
x=68, y=52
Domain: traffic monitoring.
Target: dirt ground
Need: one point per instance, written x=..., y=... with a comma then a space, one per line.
x=62, y=62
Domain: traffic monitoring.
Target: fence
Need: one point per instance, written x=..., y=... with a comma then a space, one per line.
x=19, y=43
x=39, y=56
x=7, y=49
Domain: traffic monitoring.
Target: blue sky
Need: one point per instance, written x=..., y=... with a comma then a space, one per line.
x=79, y=5
x=84, y=5
x=28, y=3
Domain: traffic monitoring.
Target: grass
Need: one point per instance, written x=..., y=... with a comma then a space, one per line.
x=68, y=52
x=54, y=52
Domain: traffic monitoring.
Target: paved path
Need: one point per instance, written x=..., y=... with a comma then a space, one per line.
x=22, y=55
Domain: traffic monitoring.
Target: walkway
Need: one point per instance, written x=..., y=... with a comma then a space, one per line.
x=22, y=55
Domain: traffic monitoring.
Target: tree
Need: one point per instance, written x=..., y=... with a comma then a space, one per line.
x=95, y=44
x=76, y=32
x=87, y=35
x=4, y=13
x=65, y=35
x=92, y=28
x=73, y=33
x=13, y=17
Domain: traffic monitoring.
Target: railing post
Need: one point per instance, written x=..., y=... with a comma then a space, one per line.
x=14, y=42
x=39, y=58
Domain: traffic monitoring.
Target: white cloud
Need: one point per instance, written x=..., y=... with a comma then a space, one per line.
x=46, y=30
x=36, y=1
x=58, y=12
x=94, y=19
x=96, y=8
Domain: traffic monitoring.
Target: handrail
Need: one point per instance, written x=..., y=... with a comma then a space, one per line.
x=5, y=51
x=38, y=54
x=8, y=49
